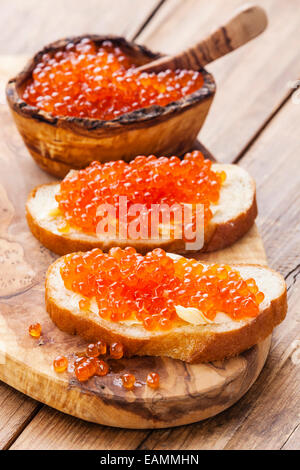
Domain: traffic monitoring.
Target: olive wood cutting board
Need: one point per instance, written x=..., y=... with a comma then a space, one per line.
x=188, y=393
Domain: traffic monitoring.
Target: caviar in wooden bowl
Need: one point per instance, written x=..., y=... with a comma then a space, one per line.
x=82, y=99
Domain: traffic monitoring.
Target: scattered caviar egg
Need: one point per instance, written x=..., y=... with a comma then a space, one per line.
x=102, y=368
x=35, y=330
x=79, y=360
x=101, y=82
x=128, y=381
x=86, y=369
x=153, y=380
x=147, y=289
x=92, y=350
x=116, y=350
x=147, y=181
x=102, y=347
x=97, y=349
x=60, y=364
x=82, y=373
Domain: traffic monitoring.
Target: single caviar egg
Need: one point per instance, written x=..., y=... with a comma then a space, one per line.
x=102, y=348
x=128, y=381
x=60, y=364
x=35, y=330
x=153, y=380
x=150, y=183
x=82, y=373
x=102, y=368
x=100, y=82
x=116, y=350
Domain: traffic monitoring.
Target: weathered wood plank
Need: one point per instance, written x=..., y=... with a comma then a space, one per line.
x=54, y=431
x=268, y=414
x=15, y=411
x=27, y=25
x=251, y=82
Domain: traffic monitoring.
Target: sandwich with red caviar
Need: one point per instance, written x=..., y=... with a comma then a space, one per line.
x=163, y=304
x=179, y=205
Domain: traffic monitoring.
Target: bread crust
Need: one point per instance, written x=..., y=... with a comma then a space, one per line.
x=216, y=237
x=191, y=345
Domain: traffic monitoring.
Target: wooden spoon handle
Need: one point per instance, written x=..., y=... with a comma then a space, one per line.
x=244, y=26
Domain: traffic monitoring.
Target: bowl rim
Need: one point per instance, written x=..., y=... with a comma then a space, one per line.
x=142, y=115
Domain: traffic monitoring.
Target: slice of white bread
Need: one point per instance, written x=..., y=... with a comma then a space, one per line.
x=188, y=342
x=233, y=217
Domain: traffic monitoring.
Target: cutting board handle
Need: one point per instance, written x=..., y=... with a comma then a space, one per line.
x=248, y=23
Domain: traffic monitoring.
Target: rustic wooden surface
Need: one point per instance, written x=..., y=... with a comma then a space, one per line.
x=187, y=394
x=254, y=120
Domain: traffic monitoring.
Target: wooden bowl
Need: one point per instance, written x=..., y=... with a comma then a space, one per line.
x=58, y=144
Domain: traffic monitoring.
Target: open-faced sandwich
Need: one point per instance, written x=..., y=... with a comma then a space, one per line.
x=147, y=203
x=163, y=304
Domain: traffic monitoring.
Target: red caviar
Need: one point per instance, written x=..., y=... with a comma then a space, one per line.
x=84, y=80
x=116, y=350
x=128, y=381
x=60, y=364
x=153, y=380
x=86, y=367
x=97, y=349
x=102, y=368
x=145, y=181
x=35, y=330
x=146, y=289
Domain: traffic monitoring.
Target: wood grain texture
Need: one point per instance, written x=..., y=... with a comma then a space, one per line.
x=27, y=25
x=269, y=414
x=53, y=430
x=188, y=392
x=246, y=24
x=15, y=411
x=251, y=82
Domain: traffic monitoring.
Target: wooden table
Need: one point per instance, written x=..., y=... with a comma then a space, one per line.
x=254, y=121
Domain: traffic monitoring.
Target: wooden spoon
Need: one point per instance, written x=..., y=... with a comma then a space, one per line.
x=248, y=23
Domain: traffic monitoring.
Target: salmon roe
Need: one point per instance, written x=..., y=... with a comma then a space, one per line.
x=128, y=381
x=153, y=380
x=129, y=286
x=60, y=364
x=85, y=80
x=35, y=330
x=116, y=350
x=86, y=367
x=97, y=349
x=146, y=181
